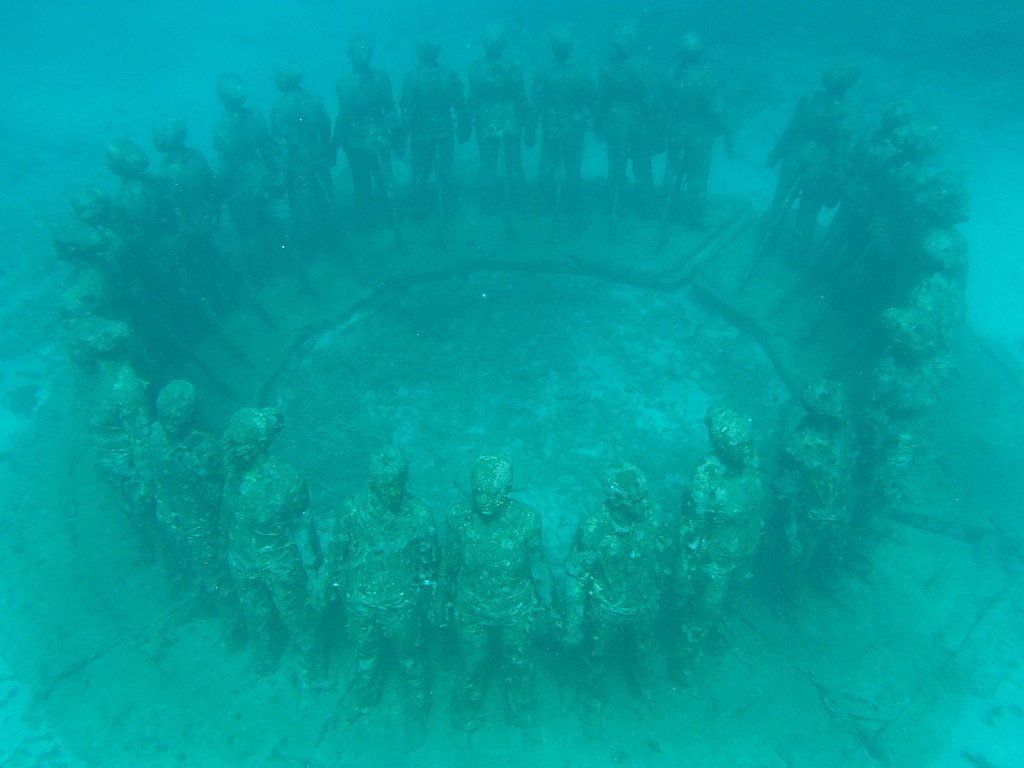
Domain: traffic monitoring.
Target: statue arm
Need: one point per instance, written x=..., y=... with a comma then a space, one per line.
x=323, y=128
x=266, y=146
x=343, y=122
x=386, y=100
x=600, y=102
x=463, y=114
x=540, y=574
x=577, y=584
x=330, y=578
x=789, y=136
x=716, y=115
x=693, y=521
x=305, y=534
x=451, y=564
x=429, y=560
x=522, y=99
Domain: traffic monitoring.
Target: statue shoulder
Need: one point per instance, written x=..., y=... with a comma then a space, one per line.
x=459, y=517
x=419, y=513
x=524, y=517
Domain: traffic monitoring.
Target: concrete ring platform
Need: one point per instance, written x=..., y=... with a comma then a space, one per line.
x=564, y=372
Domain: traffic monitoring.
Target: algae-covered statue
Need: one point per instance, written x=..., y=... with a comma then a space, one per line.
x=117, y=406
x=494, y=582
x=498, y=105
x=812, y=154
x=615, y=572
x=381, y=560
x=433, y=109
x=815, y=483
x=905, y=386
x=694, y=117
x=138, y=208
x=188, y=471
x=626, y=118
x=189, y=185
x=563, y=99
x=247, y=169
x=267, y=505
x=301, y=130
x=367, y=130
x=720, y=527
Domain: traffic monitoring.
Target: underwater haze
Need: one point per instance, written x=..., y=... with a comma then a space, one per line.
x=85, y=73
x=489, y=464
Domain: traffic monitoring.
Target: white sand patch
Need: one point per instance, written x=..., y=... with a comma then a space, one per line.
x=26, y=739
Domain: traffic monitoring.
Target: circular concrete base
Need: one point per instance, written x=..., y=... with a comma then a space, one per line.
x=565, y=373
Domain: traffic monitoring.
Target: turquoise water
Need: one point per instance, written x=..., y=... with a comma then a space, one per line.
x=570, y=345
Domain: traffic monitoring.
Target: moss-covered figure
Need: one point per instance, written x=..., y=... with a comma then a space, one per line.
x=720, y=527
x=431, y=96
x=563, y=99
x=493, y=583
x=381, y=559
x=301, y=130
x=188, y=182
x=626, y=118
x=117, y=406
x=905, y=387
x=497, y=103
x=138, y=208
x=614, y=577
x=267, y=505
x=812, y=154
x=367, y=130
x=694, y=117
x=815, y=483
x=203, y=272
x=247, y=170
x=188, y=471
